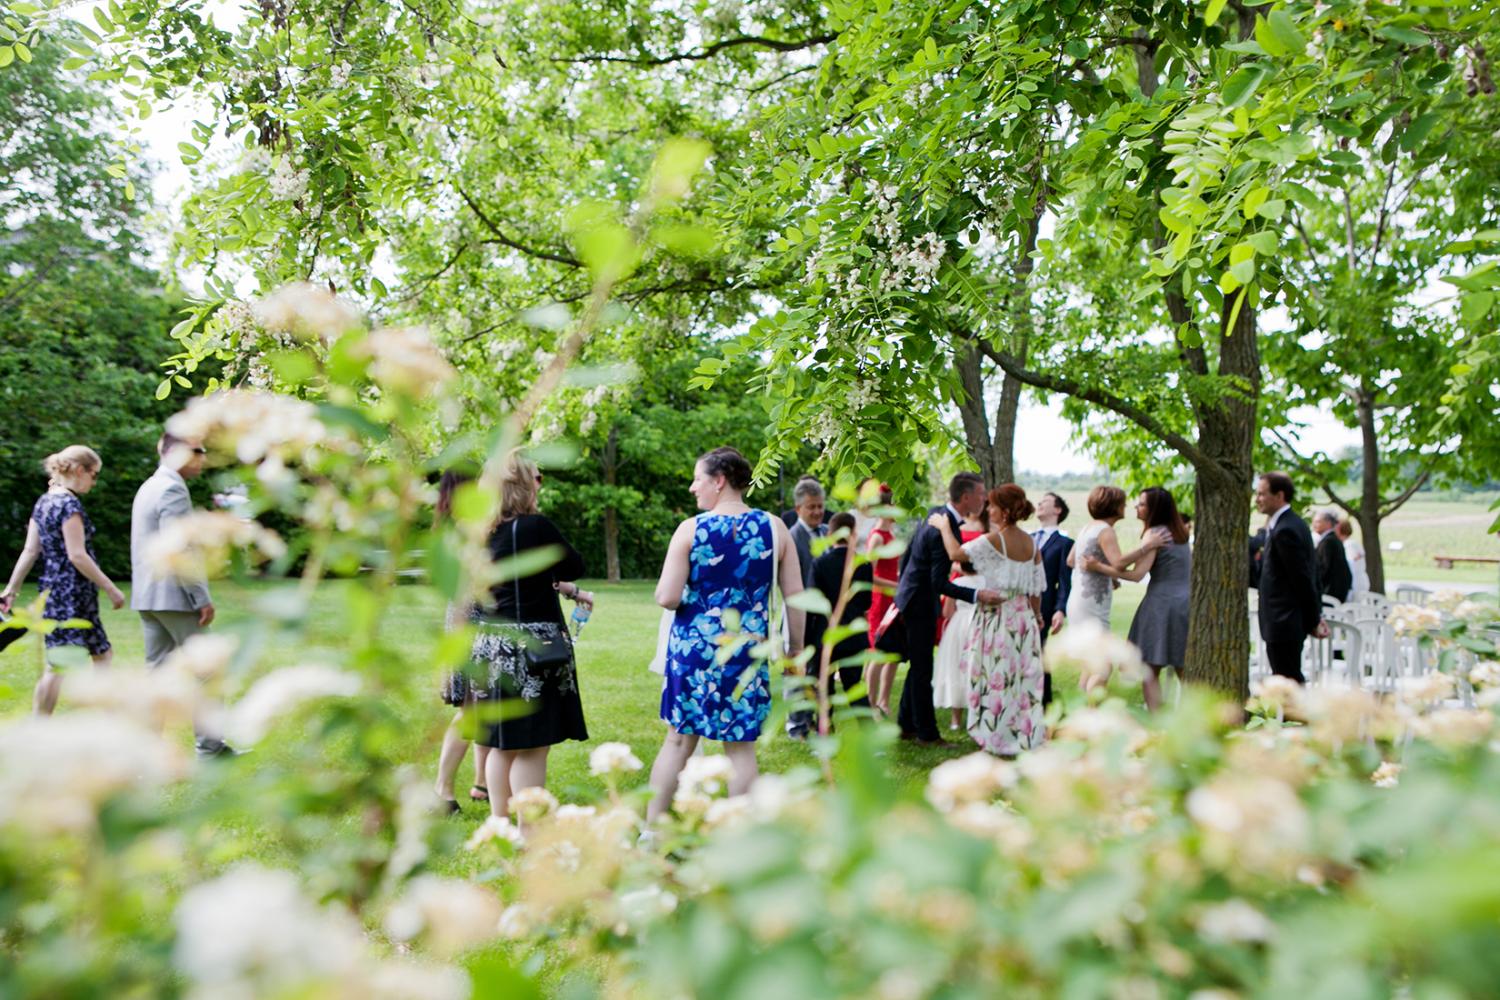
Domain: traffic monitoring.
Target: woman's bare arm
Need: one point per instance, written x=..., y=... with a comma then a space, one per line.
x=25, y=560
x=674, y=570
x=78, y=555
x=1134, y=575
x=789, y=578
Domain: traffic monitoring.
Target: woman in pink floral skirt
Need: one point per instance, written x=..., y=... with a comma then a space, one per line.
x=1003, y=655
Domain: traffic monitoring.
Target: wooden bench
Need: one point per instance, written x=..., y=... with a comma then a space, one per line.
x=1446, y=562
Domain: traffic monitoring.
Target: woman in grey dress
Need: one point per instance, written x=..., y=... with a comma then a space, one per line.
x=1160, y=627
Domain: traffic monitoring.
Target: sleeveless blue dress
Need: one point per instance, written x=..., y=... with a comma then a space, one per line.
x=730, y=570
x=70, y=594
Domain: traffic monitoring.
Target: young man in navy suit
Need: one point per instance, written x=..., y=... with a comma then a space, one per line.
x=1286, y=573
x=1054, y=546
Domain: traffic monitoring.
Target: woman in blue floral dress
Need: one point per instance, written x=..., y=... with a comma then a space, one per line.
x=718, y=578
x=61, y=534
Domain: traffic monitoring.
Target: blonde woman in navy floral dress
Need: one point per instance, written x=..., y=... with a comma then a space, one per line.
x=718, y=579
x=61, y=534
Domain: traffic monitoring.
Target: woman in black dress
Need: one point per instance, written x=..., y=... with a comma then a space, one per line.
x=528, y=688
x=61, y=533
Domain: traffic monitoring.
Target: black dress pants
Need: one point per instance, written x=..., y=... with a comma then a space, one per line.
x=916, y=714
x=1285, y=658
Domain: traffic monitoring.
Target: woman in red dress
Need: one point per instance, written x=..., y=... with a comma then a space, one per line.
x=879, y=676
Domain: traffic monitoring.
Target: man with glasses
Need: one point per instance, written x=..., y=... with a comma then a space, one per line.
x=171, y=609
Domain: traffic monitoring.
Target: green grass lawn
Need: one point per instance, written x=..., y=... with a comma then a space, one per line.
x=621, y=696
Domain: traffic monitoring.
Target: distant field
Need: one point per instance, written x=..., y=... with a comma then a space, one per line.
x=1421, y=529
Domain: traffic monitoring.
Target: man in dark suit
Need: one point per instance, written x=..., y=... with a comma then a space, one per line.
x=1335, y=579
x=791, y=517
x=828, y=578
x=1054, y=546
x=1290, y=606
x=811, y=506
x=919, y=593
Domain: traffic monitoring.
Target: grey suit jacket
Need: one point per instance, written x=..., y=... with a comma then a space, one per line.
x=162, y=498
x=802, y=538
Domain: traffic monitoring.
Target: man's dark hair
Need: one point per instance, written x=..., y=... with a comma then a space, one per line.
x=1280, y=482
x=961, y=484
x=843, y=519
x=167, y=442
x=1062, y=506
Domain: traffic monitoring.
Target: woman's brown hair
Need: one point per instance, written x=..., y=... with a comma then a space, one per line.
x=1161, y=512
x=1106, y=502
x=1011, y=500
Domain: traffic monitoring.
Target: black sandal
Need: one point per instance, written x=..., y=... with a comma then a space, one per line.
x=451, y=806
x=479, y=793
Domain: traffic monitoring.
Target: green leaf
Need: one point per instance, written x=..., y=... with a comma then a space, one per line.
x=1241, y=252
x=1241, y=86
x=1213, y=10
x=1272, y=209
x=164, y=389
x=1419, y=129
x=930, y=47
x=1404, y=35
x=1266, y=38
x=1265, y=242
x=1474, y=306
x=1256, y=198
x=1244, y=271
x=810, y=600
x=1285, y=30
x=22, y=52
x=7, y=56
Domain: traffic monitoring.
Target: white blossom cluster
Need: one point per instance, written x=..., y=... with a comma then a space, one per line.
x=338, y=74
x=287, y=182
x=1096, y=651
x=56, y=770
x=915, y=266
x=306, y=312
x=593, y=400
x=281, y=692
x=449, y=914
x=251, y=933
x=529, y=805
x=252, y=426
x=197, y=546
x=406, y=359
x=613, y=758
x=1414, y=619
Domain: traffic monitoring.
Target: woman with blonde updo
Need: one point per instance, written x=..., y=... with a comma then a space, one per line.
x=62, y=534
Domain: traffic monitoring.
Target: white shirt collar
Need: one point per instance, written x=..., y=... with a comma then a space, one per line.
x=163, y=470
x=1276, y=517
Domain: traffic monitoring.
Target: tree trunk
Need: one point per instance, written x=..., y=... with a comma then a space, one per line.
x=611, y=516
x=1369, y=490
x=1218, y=651
x=994, y=454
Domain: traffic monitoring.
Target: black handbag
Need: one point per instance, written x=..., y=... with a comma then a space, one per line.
x=893, y=639
x=542, y=655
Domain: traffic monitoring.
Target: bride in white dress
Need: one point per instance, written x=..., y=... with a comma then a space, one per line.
x=1093, y=593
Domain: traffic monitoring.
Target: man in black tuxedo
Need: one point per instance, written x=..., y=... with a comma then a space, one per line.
x=1291, y=608
x=1335, y=579
x=1054, y=546
x=828, y=578
x=919, y=593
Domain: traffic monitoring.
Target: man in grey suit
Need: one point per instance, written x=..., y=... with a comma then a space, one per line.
x=171, y=610
x=810, y=502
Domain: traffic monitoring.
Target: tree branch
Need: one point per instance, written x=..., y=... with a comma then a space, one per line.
x=1309, y=469
x=758, y=41
x=505, y=240
x=1390, y=506
x=1013, y=367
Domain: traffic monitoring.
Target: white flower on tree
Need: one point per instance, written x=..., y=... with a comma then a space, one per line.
x=1234, y=921
x=251, y=425
x=307, y=311
x=978, y=777
x=287, y=182
x=406, y=359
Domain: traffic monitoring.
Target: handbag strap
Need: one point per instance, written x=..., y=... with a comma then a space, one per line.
x=516, y=578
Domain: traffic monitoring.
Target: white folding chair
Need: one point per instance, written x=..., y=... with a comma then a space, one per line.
x=1410, y=593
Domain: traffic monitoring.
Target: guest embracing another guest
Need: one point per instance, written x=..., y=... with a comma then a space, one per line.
x=924, y=582
x=1090, y=593
x=1055, y=547
x=1284, y=570
x=1002, y=656
x=522, y=654
x=729, y=558
x=62, y=536
x=950, y=687
x=1160, y=626
x=885, y=576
